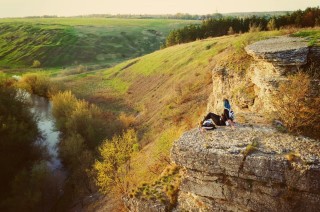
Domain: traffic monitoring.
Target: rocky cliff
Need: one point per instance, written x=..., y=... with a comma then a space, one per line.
x=272, y=60
x=248, y=169
x=254, y=167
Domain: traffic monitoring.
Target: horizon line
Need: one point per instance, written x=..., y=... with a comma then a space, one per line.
x=143, y=14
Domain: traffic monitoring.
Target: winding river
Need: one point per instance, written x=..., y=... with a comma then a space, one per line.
x=42, y=108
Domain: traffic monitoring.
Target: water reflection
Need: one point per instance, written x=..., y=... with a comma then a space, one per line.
x=43, y=110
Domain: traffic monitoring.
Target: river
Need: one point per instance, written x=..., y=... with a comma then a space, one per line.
x=42, y=108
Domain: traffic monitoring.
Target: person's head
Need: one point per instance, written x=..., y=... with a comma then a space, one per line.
x=226, y=104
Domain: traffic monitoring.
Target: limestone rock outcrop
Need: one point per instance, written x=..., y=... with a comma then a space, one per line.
x=272, y=60
x=248, y=169
x=139, y=205
x=280, y=51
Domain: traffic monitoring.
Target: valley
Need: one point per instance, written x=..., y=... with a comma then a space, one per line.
x=110, y=82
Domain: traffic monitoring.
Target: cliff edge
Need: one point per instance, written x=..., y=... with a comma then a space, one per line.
x=247, y=169
x=272, y=60
x=253, y=167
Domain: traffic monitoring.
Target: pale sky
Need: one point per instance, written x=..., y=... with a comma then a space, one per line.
x=21, y=8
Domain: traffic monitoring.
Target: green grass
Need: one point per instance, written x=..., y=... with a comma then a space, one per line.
x=118, y=85
x=169, y=84
x=167, y=90
x=58, y=42
x=109, y=22
x=313, y=36
x=250, y=148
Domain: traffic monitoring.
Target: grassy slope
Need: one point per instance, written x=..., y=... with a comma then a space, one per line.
x=167, y=90
x=71, y=41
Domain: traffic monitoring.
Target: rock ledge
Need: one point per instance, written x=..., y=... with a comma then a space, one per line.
x=281, y=174
x=281, y=51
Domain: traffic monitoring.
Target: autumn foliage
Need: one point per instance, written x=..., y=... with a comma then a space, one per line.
x=114, y=164
x=294, y=105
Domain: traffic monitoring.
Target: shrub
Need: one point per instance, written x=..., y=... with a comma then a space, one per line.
x=78, y=117
x=113, y=167
x=295, y=107
x=127, y=120
x=63, y=103
x=36, y=64
x=85, y=120
x=36, y=83
x=250, y=148
x=272, y=25
x=77, y=70
x=253, y=27
x=19, y=152
x=71, y=148
x=230, y=31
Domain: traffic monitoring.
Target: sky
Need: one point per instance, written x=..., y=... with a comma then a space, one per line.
x=22, y=8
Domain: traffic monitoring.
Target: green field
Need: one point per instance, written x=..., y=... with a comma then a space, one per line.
x=60, y=42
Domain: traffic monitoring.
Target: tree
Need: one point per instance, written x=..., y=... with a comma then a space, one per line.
x=253, y=27
x=36, y=83
x=83, y=127
x=74, y=116
x=272, y=24
x=317, y=22
x=18, y=149
x=218, y=26
x=294, y=106
x=63, y=104
x=114, y=165
x=230, y=31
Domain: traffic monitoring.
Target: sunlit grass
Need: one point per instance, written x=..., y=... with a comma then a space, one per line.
x=312, y=35
x=167, y=90
x=72, y=41
x=111, y=22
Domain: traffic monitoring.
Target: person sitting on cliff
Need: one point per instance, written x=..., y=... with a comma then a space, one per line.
x=212, y=119
x=228, y=114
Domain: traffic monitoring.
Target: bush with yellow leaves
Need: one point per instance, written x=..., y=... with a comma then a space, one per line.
x=295, y=107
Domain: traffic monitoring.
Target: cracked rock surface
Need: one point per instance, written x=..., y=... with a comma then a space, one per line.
x=282, y=51
x=281, y=172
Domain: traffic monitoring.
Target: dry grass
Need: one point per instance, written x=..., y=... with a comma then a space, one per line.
x=295, y=107
x=292, y=156
x=250, y=148
x=164, y=189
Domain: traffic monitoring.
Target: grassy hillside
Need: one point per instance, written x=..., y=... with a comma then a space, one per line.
x=73, y=41
x=166, y=91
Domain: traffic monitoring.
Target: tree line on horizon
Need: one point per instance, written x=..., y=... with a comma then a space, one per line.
x=178, y=16
x=213, y=27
